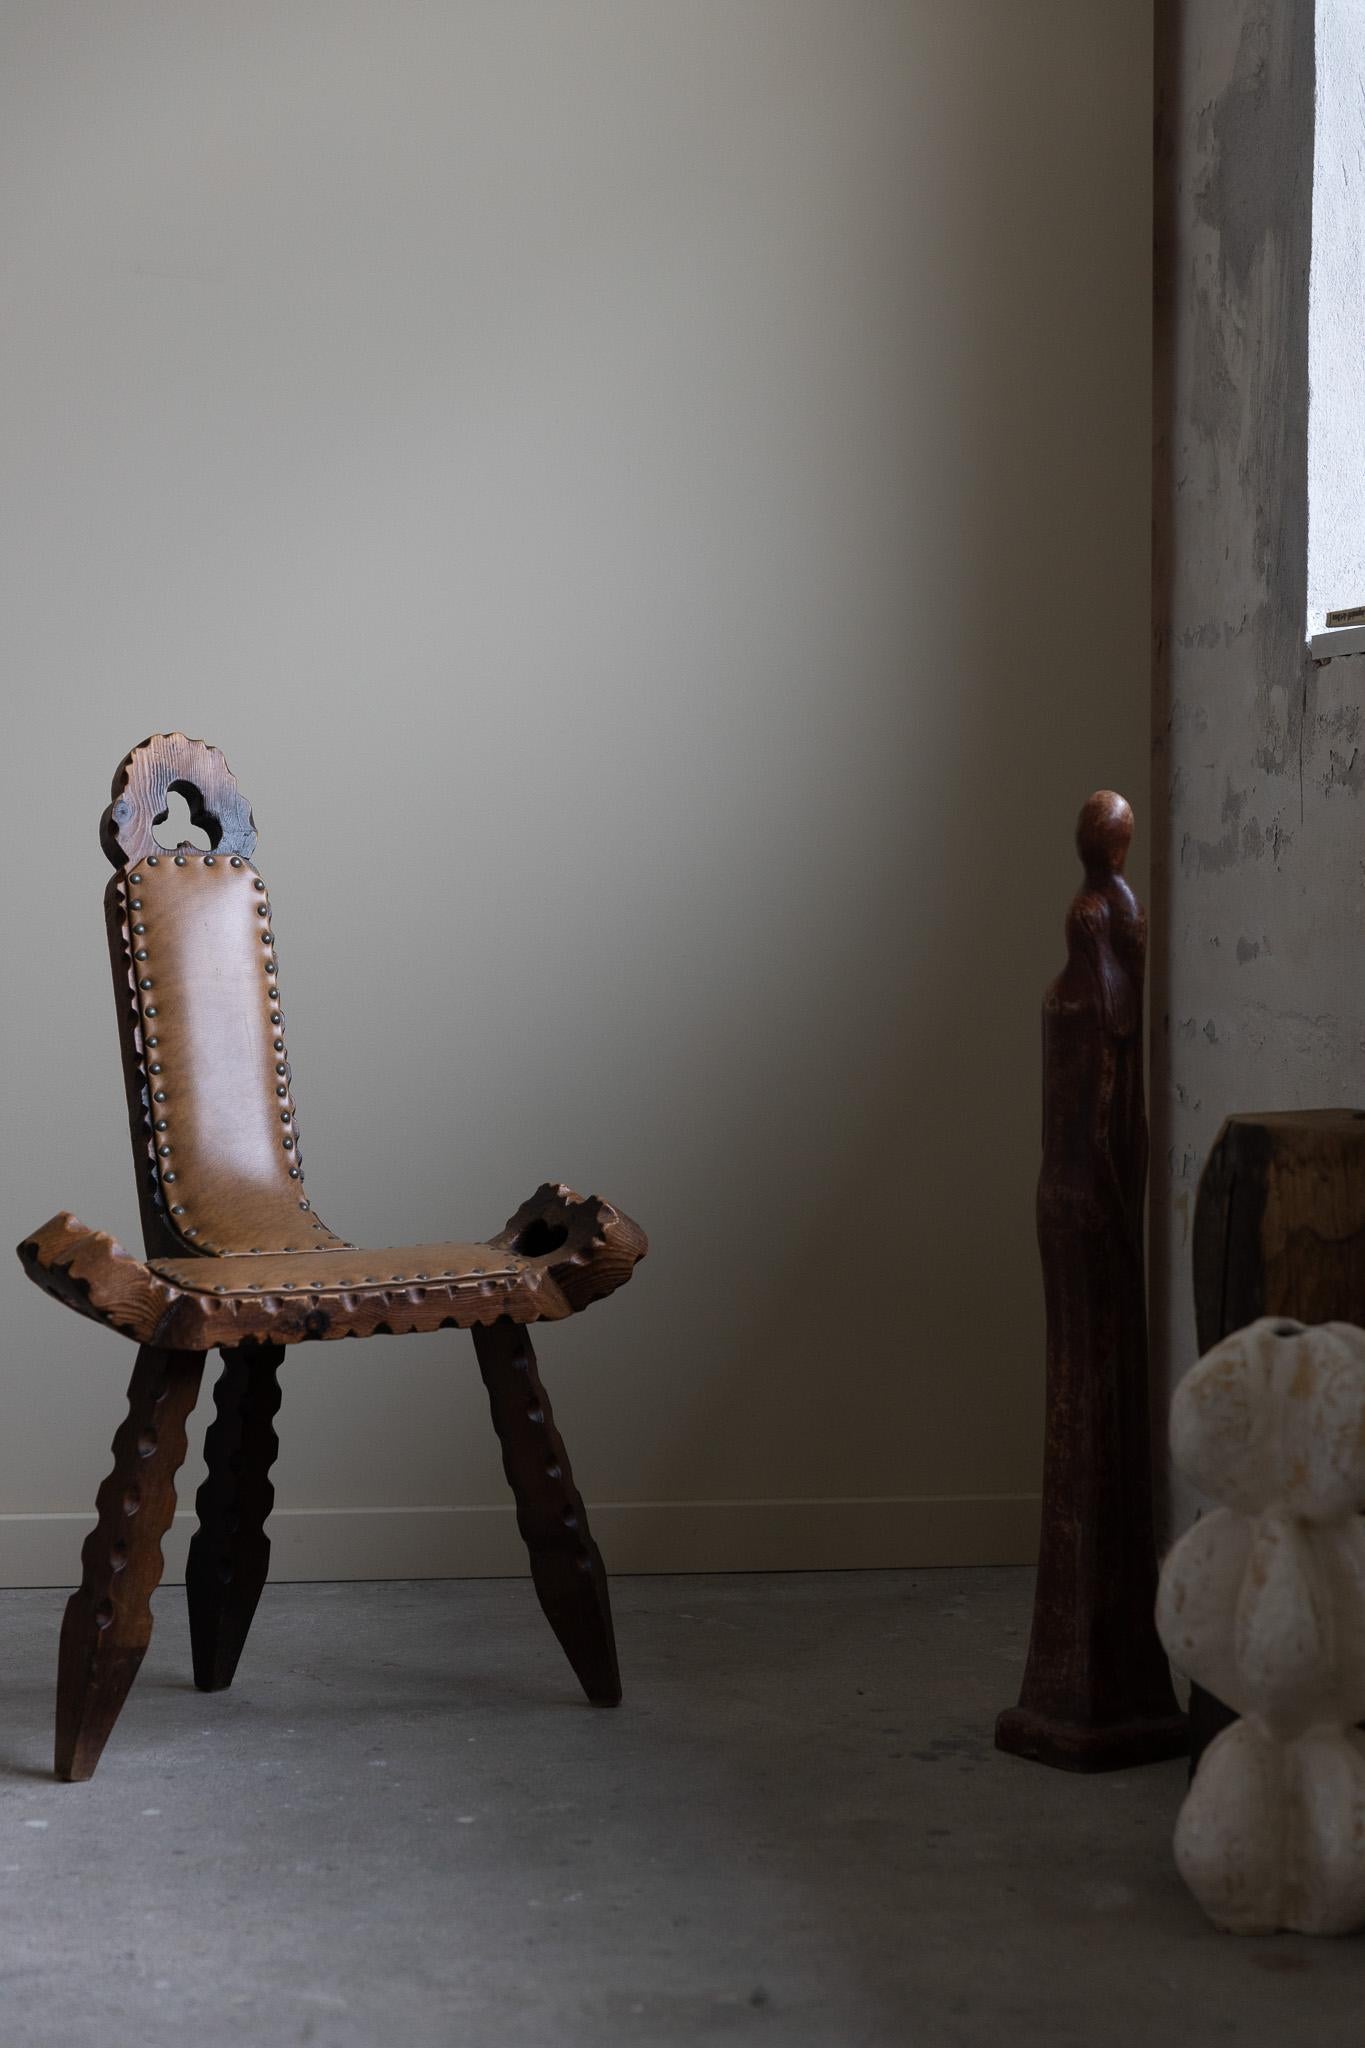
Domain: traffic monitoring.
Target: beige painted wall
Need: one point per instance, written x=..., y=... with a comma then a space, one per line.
x=652, y=499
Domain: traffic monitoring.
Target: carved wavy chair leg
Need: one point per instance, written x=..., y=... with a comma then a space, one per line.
x=108, y=1621
x=230, y=1551
x=566, y=1565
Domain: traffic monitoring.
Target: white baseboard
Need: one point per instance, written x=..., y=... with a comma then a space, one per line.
x=635, y=1536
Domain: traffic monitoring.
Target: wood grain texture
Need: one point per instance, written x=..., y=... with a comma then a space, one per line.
x=1097, y=1691
x=199, y=1304
x=1279, y=1222
x=108, y=1621
x=1279, y=1230
x=229, y=1556
x=566, y=1565
x=198, y=772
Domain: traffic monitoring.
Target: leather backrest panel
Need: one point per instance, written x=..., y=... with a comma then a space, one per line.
x=196, y=975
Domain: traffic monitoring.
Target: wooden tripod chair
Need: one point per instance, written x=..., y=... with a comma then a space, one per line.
x=237, y=1258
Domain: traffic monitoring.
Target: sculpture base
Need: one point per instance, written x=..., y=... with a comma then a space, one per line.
x=1070, y=1746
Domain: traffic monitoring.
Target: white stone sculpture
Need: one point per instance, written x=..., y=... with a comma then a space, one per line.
x=1263, y=1603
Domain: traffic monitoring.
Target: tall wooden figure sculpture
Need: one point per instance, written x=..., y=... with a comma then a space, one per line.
x=1097, y=1688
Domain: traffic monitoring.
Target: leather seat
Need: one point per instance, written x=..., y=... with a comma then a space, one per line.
x=559, y=1252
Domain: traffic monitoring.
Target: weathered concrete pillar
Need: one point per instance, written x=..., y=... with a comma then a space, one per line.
x=1258, y=882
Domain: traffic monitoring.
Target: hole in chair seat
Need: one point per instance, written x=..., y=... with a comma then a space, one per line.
x=538, y=1238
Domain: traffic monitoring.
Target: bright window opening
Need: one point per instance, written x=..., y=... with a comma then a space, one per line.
x=1336, y=336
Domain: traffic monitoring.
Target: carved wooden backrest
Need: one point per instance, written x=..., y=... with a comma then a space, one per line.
x=201, y=1023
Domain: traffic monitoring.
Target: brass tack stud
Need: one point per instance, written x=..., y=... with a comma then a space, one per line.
x=267, y=938
x=168, y=1176
x=161, y=1123
x=208, y=860
x=178, y=1209
x=139, y=927
x=293, y=1175
x=180, y=860
x=164, y=1150
x=236, y=860
x=135, y=878
x=150, y=1011
x=152, y=860
x=145, y=982
x=259, y=884
x=141, y=953
x=288, y=1144
x=160, y=1095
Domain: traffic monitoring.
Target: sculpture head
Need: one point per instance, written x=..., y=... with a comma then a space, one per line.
x=1104, y=832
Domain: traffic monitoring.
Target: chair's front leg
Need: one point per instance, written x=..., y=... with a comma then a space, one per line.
x=108, y=1621
x=566, y=1564
x=230, y=1551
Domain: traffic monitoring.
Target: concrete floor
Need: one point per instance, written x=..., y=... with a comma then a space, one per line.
x=403, y=1826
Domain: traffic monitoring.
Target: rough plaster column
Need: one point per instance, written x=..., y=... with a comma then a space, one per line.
x=1258, y=867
